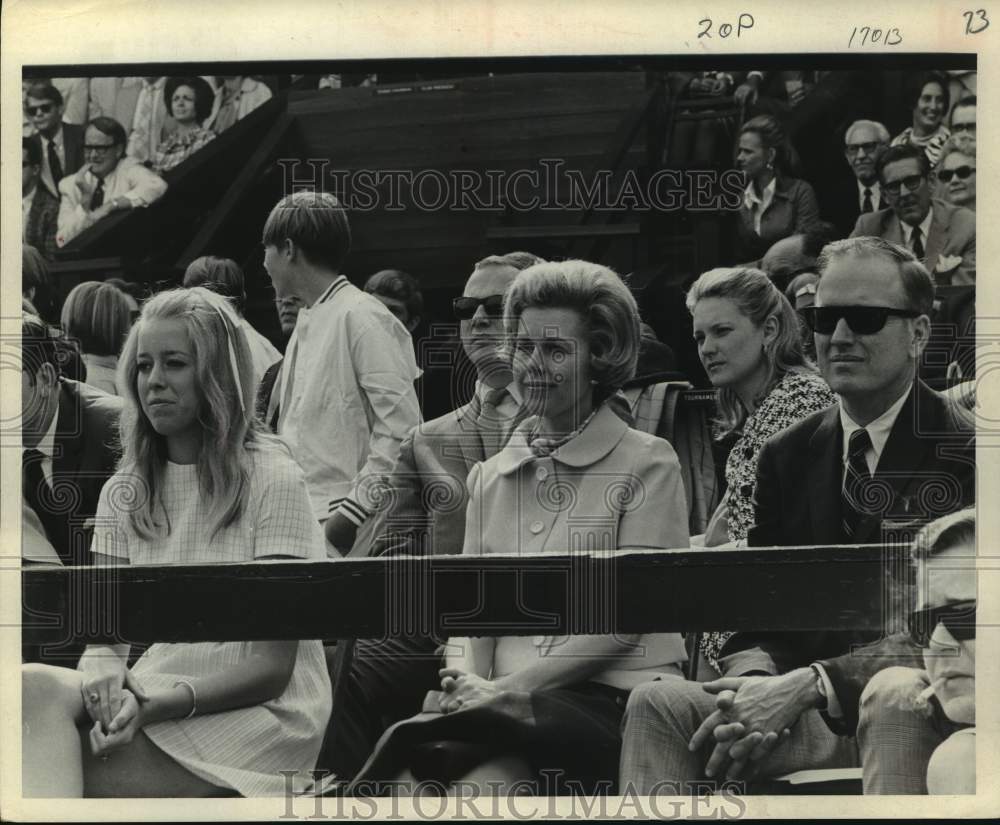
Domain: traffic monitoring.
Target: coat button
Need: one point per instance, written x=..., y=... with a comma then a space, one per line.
x=541, y=474
x=536, y=527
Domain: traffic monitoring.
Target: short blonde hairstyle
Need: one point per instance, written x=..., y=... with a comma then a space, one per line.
x=98, y=315
x=601, y=298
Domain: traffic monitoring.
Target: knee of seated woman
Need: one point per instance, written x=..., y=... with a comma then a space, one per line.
x=952, y=766
x=47, y=687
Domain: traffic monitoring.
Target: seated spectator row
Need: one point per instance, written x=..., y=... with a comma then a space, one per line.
x=549, y=456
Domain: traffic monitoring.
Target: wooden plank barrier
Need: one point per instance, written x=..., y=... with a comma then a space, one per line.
x=792, y=588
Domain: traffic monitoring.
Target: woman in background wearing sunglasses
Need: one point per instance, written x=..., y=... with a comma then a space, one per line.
x=916, y=732
x=957, y=172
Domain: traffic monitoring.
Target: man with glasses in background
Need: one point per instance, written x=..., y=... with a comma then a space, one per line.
x=890, y=456
x=60, y=144
x=109, y=182
x=940, y=235
x=963, y=117
x=864, y=143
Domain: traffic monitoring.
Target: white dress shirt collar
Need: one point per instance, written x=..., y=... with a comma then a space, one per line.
x=878, y=430
x=925, y=228
x=757, y=206
x=876, y=193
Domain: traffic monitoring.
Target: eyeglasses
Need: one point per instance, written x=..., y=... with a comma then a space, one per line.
x=465, y=308
x=98, y=148
x=863, y=320
x=958, y=617
x=962, y=172
x=964, y=127
x=41, y=108
x=868, y=148
x=912, y=183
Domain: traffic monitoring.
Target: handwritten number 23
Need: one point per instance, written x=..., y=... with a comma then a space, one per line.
x=972, y=26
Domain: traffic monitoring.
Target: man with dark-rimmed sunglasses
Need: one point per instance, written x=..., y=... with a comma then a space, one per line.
x=864, y=471
x=60, y=144
x=390, y=677
x=916, y=728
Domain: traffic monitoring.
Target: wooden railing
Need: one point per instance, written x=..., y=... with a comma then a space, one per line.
x=791, y=588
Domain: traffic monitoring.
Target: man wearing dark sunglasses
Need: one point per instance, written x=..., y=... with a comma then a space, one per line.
x=389, y=678
x=60, y=144
x=915, y=719
x=942, y=236
x=851, y=474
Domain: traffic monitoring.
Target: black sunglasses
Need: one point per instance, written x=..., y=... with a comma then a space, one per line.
x=44, y=108
x=962, y=172
x=464, y=308
x=863, y=320
x=958, y=617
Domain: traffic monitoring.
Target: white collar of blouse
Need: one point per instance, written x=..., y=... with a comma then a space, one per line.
x=597, y=439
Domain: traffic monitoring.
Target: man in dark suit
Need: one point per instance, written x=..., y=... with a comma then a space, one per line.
x=69, y=432
x=39, y=207
x=60, y=144
x=889, y=434
x=942, y=236
x=860, y=192
x=424, y=513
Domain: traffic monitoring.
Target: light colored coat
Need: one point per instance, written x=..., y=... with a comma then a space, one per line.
x=610, y=488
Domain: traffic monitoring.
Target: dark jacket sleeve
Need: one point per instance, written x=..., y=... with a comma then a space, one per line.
x=766, y=530
x=850, y=673
x=806, y=208
x=403, y=523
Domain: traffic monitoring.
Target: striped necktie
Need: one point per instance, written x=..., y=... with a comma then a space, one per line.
x=857, y=476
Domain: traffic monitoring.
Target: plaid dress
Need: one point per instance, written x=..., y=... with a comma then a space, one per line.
x=244, y=748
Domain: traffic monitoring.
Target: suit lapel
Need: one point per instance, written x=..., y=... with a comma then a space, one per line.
x=73, y=146
x=902, y=460
x=936, y=237
x=824, y=478
x=469, y=440
x=894, y=231
x=69, y=438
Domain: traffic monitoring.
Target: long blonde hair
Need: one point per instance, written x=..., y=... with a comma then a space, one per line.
x=758, y=299
x=229, y=428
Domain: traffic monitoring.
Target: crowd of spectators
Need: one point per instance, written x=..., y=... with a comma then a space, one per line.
x=94, y=146
x=813, y=339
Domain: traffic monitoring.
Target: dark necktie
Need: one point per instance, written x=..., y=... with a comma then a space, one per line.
x=55, y=166
x=97, y=199
x=855, y=479
x=866, y=206
x=916, y=244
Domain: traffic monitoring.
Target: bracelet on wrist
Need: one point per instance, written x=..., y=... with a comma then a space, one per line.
x=194, y=696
